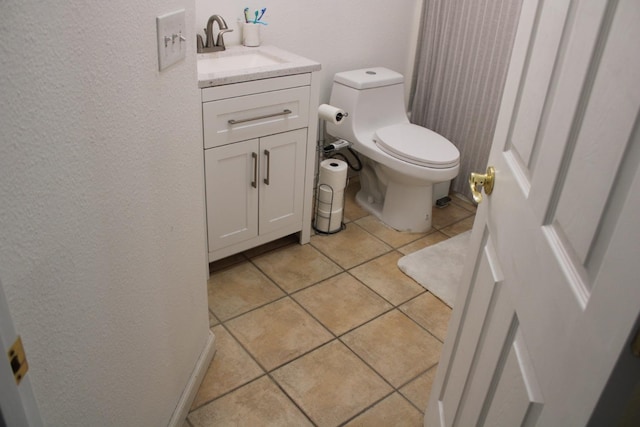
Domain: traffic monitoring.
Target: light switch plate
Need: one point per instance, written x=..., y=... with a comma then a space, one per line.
x=172, y=38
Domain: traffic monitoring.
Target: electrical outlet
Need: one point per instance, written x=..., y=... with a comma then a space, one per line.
x=172, y=38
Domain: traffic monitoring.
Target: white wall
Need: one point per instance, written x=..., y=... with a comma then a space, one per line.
x=341, y=35
x=102, y=251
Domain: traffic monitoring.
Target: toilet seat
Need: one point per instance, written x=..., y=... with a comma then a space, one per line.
x=418, y=145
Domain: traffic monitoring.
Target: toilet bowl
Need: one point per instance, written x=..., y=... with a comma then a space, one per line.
x=401, y=161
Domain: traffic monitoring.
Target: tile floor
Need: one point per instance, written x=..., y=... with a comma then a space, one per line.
x=327, y=334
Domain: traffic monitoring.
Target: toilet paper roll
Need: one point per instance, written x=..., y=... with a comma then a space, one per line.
x=333, y=172
x=325, y=201
x=328, y=222
x=331, y=114
x=327, y=196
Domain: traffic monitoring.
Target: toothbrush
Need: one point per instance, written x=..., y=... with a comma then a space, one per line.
x=264, y=9
x=246, y=15
x=255, y=21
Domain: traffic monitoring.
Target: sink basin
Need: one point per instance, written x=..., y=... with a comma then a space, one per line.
x=236, y=62
x=241, y=64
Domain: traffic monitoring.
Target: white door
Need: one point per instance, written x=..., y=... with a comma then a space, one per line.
x=17, y=403
x=551, y=288
x=282, y=184
x=232, y=182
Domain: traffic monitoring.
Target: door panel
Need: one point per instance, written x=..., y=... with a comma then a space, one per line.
x=541, y=55
x=499, y=363
x=550, y=293
x=477, y=309
x=516, y=399
x=231, y=171
x=281, y=198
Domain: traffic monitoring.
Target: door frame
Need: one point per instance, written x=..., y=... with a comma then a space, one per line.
x=18, y=406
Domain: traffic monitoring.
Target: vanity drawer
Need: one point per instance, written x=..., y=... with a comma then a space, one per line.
x=245, y=117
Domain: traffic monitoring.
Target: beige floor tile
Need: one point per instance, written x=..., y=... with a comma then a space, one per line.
x=260, y=403
x=239, y=289
x=395, y=346
x=341, y=303
x=419, y=390
x=428, y=240
x=278, y=332
x=383, y=276
x=387, y=234
x=393, y=411
x=443, y=217
x=331, y=384
x=429, y=312
x=352, y=210
x=296, y=266
x=231, y=367
x=459, y=227
x=350, y=247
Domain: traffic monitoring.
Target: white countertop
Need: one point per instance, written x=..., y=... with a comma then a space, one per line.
x=288, y=64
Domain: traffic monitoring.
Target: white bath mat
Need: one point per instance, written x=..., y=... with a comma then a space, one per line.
x=438, y=267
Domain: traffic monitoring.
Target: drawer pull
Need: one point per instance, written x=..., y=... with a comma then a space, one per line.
x=266, y=116
x=268, y=154
x=254, y=183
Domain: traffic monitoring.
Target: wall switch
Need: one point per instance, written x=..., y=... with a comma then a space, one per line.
x=172, y=39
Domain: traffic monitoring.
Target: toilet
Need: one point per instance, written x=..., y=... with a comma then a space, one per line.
x=401, y=161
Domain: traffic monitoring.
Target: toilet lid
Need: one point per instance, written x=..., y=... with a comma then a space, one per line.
x=417, y=145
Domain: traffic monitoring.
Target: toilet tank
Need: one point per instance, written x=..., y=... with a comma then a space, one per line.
x=373, y=97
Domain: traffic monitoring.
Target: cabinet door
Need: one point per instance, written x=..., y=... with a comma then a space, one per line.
x=231, y=176
x=282, y=179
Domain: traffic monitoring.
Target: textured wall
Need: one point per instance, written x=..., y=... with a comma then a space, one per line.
x=342, y=35
x=102, y=252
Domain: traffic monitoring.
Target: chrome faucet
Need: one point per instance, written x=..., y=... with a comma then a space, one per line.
x=210, y=46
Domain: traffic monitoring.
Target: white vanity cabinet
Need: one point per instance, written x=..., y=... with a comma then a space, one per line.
x=259, y=158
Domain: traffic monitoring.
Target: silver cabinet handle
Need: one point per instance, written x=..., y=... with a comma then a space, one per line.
x=254, y=183
x=266, y=116
x=266, y=153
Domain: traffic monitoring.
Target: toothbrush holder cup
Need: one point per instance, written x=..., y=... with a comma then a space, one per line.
x=251, y=34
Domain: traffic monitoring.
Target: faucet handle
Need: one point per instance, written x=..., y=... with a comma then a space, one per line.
x=199, y=43
x=220, y=40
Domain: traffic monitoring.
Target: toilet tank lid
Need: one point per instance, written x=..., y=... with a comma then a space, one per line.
x=366, y=78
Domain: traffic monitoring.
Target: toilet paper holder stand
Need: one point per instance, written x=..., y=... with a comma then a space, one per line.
x=318, y=215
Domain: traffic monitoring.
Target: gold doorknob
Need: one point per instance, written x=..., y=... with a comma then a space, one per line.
x=482, y=180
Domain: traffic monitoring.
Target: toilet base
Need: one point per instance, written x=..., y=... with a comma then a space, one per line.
x=405, y=208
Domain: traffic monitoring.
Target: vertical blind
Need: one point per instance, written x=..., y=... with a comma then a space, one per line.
x=463, y=54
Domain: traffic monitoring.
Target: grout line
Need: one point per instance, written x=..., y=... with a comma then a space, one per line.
x=422, y=291
x=417, y=236
x=228, y=392
x=348, y=420
x=420, y=326
x=251, y=310
x=363, y=262
x=264, y=371
x=291, y=399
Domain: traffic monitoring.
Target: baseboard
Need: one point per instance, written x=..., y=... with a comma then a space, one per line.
x=189, y=393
